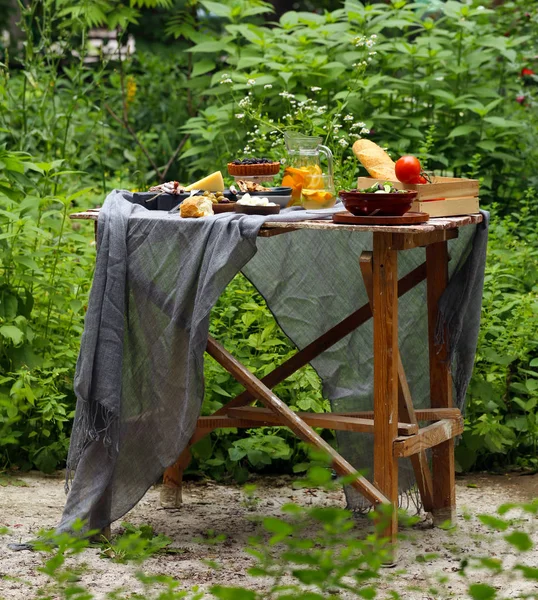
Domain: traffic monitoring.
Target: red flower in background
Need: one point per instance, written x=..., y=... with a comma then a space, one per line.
x=520, y=99
x=525, y=72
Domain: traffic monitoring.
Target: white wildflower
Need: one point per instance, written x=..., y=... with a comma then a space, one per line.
x=244, y=102
x=228, y=80
x=315, y=89
x=373, y=36
x=348, y=118
x=343, y=143
x=251, y=82
x=267, y=86
x=286, y=95
x=364, y=131
x=240, y=116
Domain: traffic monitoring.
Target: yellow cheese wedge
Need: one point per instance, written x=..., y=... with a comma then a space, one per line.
x=211, y=183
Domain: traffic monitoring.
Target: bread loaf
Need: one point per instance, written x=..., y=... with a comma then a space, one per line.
x=375, y=160
x=196, y=206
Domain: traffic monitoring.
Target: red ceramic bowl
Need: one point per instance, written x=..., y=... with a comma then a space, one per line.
x=363, y=204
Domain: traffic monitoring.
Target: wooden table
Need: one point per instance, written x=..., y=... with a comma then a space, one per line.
x=394, y=422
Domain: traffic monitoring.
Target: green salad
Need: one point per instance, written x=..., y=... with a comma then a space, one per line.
x=382, y=188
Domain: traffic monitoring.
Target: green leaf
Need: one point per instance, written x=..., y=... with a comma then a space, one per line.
x=217, y=8
x=274, y=525
x=481, y=591
x=493, y=522
x=520, y=540
x=212, y=46
x=232, y=593
x=236, y=454
x=463, y=130
x=528, y=572
x=45, y=461
x=501, y=122
x=12, y=333
x=319, y=476
x=497, y=359
x=310, y=577
x=202, y=66
x=216, y=388
x=27, y=261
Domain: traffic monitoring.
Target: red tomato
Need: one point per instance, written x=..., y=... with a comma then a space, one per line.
x=407, y=169
x=420, y=179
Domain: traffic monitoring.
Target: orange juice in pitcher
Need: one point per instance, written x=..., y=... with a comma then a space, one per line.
x=304, y=168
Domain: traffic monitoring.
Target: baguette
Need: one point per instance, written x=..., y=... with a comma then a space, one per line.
x=375, y=160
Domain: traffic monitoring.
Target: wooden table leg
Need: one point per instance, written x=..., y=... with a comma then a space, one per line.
x=171, y=494
x=385, y=312
x=406, y=410
x=444, y=486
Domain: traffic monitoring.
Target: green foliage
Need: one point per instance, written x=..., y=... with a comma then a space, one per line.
x=501, y=423
x=310, y=554
x=136, y=544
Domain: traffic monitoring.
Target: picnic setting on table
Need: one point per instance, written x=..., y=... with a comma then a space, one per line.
x=379, y=287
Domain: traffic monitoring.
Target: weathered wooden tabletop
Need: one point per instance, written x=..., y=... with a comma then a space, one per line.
x=435, y=224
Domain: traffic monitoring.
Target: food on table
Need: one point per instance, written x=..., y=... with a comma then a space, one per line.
x=381, y=188
x=374, y=159
x=249, y=186
x=253, y=167
x=217, y=197
x=408, y=170
x=315, y=198
x=196, y=206
x=295, y=178
x=170, y=187
x=379, y=199
x=211, y=183
x=248, y=200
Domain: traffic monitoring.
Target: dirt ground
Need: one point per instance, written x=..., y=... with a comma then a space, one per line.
x=209, y=507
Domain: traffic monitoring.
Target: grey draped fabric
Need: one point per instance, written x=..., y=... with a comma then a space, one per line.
x=139, y=378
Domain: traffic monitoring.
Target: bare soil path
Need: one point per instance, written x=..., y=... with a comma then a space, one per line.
x=222, y=509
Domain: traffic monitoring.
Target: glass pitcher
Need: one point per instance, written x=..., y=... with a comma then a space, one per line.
x=304, y=154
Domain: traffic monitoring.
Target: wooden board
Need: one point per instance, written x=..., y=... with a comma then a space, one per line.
x=440, y=188
x=223, y=207
x=448, y=208
x=428, y=437
x=410, y=218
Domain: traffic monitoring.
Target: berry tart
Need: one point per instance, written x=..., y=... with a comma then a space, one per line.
x=253, y=167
